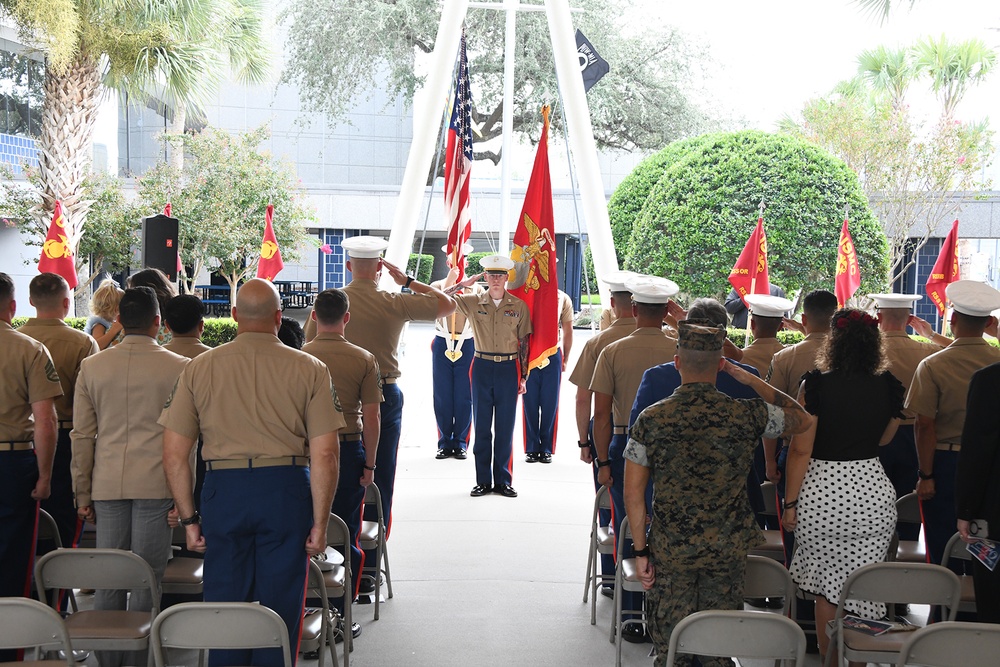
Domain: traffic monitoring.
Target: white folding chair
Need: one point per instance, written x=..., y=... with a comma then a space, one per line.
x=956, y=550
x=183, y=575
x=908, y=551
x=338, y=578
x=48, y=531
x=602, y=542
x=28, y=624
x=955, y=644
x=223, y=625
x=767, y=578
x=318, y=631
x=101, y=569
x=372, y=537
x=907, y=583
x=626, y=579
x=774, y=545
x=738, y=634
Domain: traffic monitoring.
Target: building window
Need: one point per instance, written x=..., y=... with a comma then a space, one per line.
x=22, y=92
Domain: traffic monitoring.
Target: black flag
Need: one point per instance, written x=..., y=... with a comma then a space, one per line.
x=592, y=65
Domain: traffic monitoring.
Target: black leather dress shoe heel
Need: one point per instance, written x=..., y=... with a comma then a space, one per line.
x=443, y=454
x=531, y=457
x=461, y=454
x=480, y=490
x=505, y=490
x=545, y=457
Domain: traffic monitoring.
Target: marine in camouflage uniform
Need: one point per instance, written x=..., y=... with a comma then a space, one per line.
x=697, y=444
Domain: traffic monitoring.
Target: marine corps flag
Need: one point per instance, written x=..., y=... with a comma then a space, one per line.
x=848, y=277
x=57, y=257
x=534, y=256
x=945, y=269
x=270, y=263
x=749, y=274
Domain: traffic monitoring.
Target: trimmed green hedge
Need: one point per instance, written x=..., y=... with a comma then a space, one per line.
x=218, y=330
x=426, y=267
x=472, y=261
x=76, y=322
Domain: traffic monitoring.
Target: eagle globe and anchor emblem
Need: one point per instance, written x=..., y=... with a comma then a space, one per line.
x=531, y=261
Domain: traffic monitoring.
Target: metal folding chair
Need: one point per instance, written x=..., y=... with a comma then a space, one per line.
x=28, y=624
x=738, y=634
x=225, y=625
x=951, y=645
x=767, y=578
x=602, y=542
x=626, y=579
x=955, y=550
x=372, y=537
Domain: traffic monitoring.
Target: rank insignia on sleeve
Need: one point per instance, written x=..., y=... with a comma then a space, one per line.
x=50, y=372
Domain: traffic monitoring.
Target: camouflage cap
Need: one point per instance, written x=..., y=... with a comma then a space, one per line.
x=700, y=335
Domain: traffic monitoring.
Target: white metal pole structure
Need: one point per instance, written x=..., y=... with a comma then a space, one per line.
x=581, y=139
x=507, y=126
x=411, y=192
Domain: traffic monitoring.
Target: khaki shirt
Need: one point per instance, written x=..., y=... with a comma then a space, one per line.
x=377, y=319
x=941, y=384
x=760, y=352
x=253, y=397
x=565, y=313
x=904, y=355
x=117, y=444
x=455, y=326
x=68, y=348
x=186, y=346
x=27, y=375
x=355, y=375
x=789, y=365
x=497, y=329
x=583, y=372
x=621, y=365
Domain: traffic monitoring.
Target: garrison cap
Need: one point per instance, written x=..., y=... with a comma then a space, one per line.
x=971, y=297
x=651, y=289
x=364, y=247
x=699, y=335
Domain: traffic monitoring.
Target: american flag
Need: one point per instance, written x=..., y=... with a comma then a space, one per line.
x=458, y=166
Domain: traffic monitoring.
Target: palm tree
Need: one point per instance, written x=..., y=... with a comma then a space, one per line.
x=880, y=8
x=888, y=72
x=953, y=68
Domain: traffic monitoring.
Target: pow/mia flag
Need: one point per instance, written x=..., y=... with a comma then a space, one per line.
x=592, y=65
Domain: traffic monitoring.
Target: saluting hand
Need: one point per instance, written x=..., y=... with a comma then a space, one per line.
x=397, y=275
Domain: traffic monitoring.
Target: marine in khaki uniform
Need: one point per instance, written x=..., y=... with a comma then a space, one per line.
x=257, y=404
x=451, y=364
x=185, y=319
x=118, y=446
x=899, y=457
x=616, y=379
x=540, y=400
x=767, y=313
x=28, y=385
x=938, y=396
x=377, y=319
x=50, y=295
x=696, y=446
x=501, y=325
x=355, y=374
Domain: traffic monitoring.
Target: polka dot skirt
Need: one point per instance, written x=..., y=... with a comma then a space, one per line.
x=846, y=517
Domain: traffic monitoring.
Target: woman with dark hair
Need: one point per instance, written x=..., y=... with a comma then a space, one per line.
x=839, y=501
x=165, y=291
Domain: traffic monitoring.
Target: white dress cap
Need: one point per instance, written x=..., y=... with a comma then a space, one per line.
x=971, y=297
x=466, y=248
x=895, y=300
x=496, y=263
x=651, y=289
x=364, y=247
x=616, y=280
x=765, y=305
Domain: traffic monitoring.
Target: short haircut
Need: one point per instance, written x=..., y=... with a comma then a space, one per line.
x=290, y=333
x=767, y=326
x=971, y=321
x=104, y=303
x=819, y=306
x=6, y=288
x=331, y=306
x=647, y=310
x=708, y=309
x=895, y=317
x=699, y=361
x=138, y=309
x=47, y=290
x=183, y=313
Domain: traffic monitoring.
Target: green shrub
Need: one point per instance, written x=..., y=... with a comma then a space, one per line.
x=218, y=330
x=695, y=221
x=426, y=267
x=77, y=323
x=738, y=337
x=472, y=261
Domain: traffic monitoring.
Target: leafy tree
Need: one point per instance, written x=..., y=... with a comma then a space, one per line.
x=953, y=67
x=698, y=216
x=340, y=51
x=221, y=198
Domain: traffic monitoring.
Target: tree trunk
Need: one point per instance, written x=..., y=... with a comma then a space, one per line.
x=177, y=129
x=66, y=144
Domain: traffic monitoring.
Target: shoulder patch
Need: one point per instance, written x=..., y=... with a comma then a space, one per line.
x=170, y=398
x=50, y=372
x=336, y=399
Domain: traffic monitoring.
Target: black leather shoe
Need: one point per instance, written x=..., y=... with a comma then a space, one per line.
x=443, y=454
x=531, y=457
x=608, y=592
x=635, y=634
x=461, y=454
x=480, y=490
x=355, y=631
x=545, y=457
x=505, y=490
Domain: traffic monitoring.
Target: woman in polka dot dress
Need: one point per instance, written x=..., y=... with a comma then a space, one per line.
x=839, y=501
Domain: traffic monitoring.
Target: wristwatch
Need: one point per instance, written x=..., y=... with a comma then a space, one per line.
x=583, y=445
x=601, y=464
x=192, y=520
x=925, y=475
x=641, y=552
x=409, y=279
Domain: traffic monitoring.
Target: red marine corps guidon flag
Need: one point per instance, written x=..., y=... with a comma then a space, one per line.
x=848, y=277
x=945, y=269
x=534, y=256
x=57, y=256
x=270, y=263
x=749, y=274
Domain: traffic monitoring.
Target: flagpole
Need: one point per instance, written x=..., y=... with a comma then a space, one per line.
x=753, y=279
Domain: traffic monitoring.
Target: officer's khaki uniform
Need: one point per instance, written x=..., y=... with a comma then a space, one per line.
x=255, y=398
x=939, y=391
x=27, y=376
x=496, y=374
x=760, y=352
x=68, y=348
x=583, y=372
x=789, y=365
x=186, y=346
